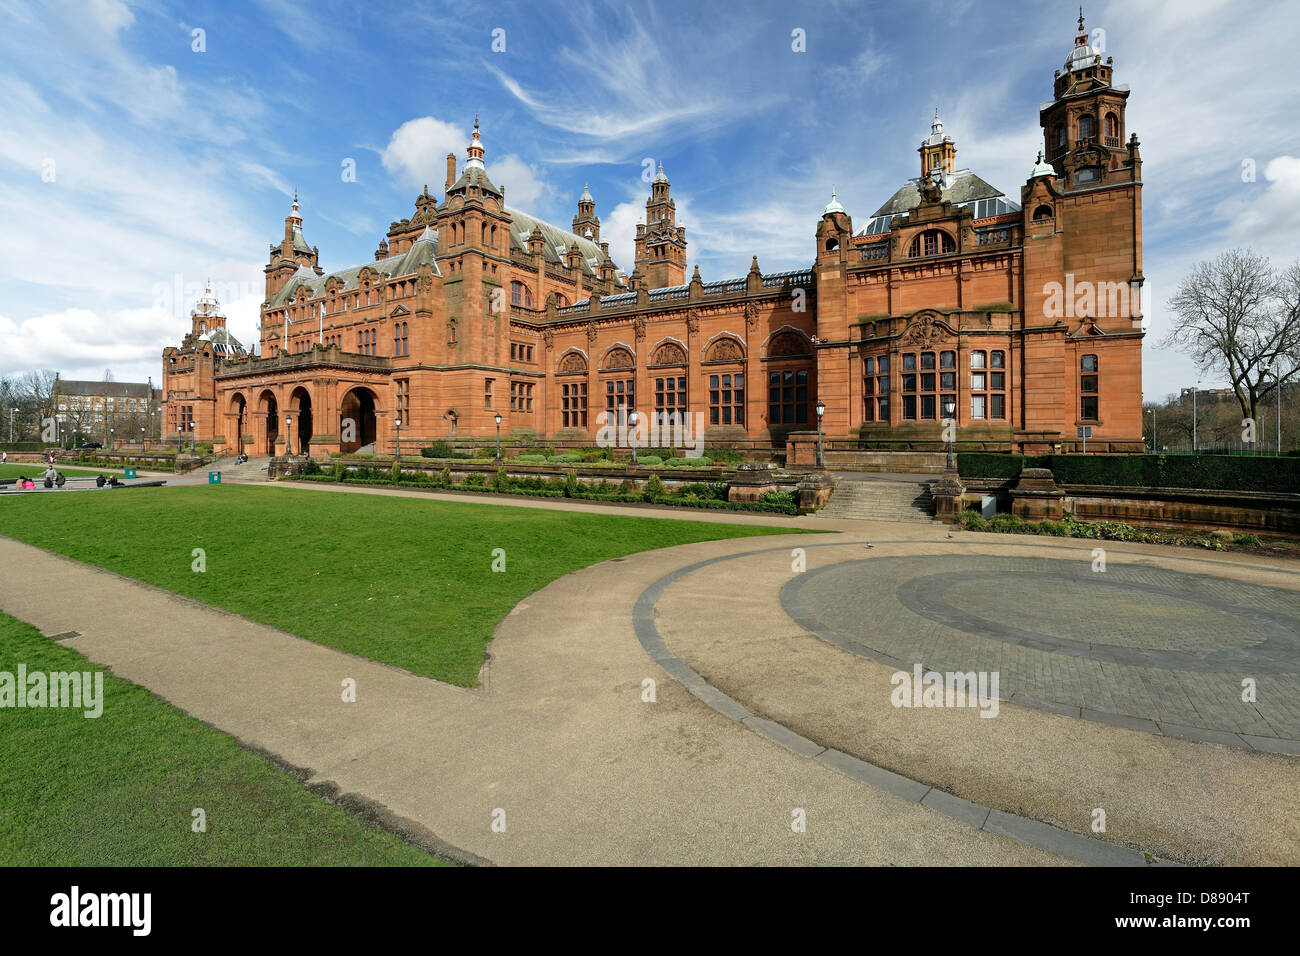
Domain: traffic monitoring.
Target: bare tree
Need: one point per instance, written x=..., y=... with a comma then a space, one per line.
x=1237, y=317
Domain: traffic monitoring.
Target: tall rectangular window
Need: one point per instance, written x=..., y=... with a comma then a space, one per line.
x=670, y=397
x=1089, y=390
x=619, y=394
x=487, y=393
x=573, y=405
x=787, y=397
x=727, y=399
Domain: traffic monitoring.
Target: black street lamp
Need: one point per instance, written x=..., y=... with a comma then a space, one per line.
x=821, y=410
x=180, y=432
x=110, y=438
x=191, y=438
x=142, y=438
x=949, y=411
x=288, y=436
x=398, y=423
x=632, y=419
x=498, y=421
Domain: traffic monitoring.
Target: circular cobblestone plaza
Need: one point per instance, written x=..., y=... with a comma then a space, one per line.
x=1131, y=643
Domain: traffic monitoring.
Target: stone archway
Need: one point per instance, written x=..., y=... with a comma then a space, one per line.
x=302, y=427
x=357, y=424
x=239, y=413
x=268, y=408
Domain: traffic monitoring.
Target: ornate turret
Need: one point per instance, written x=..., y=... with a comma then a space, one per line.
x=937, y=150
x=586, y=223
x=660, y=243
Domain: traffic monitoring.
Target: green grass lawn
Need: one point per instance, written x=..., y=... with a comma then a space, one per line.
x=35, y=470
x=403, y=581
x=120, y=789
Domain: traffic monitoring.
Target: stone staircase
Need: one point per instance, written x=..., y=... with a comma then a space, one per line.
x=880, y=501
x=252, y=470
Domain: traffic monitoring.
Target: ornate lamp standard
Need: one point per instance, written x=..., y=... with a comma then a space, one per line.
x=180, y=431
x=398, y=423
x=191, y=437
x=821, y=410
x=632, y=419
x=288, y=435
x=497, y=419
x=12, y=413
x=949, y=411
x=142, y=438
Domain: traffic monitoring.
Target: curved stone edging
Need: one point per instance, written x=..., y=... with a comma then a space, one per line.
x=1021, y=829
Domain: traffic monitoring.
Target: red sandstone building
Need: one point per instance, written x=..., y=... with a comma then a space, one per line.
x=1022, y=314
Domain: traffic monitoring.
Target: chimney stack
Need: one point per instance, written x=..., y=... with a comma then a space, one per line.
x=451, y=170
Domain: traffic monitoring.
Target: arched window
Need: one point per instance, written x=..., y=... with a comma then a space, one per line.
x=832, y=244
x=932, y=242
x=1086, y=130
x=519, y=295
x=561, y=300
x=1112, y=127
x=1043, y=212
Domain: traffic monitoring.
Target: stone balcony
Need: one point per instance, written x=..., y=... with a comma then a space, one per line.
x=318, y=357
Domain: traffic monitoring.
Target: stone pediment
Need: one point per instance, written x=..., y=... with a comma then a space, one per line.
x=925, y=330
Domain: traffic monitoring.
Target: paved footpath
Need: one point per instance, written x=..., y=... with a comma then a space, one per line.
x=559, y=740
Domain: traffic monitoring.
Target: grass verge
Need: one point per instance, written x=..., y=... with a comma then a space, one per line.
x=401, y=581
x=120, y=789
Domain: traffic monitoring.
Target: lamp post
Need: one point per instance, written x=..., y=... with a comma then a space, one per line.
x=111, y=432
x=821, y=410
x=12, y=413
x=142, y=438
x=180, y=431
x=632, y=419
x=949, y=411
x=497, y=418
x=398, y=454
x=191, y=438
x=288, y=435
x=1195, y=388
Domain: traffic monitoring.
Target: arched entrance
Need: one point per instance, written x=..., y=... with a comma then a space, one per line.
x=270, y=408
x=239, y=412
x=357, y=428
x=300, y=408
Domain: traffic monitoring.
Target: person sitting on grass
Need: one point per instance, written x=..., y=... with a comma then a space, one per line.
x=60, y=481
x=100, y=481
x=28, y=484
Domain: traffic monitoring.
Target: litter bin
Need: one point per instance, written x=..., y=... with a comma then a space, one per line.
x=214, y=477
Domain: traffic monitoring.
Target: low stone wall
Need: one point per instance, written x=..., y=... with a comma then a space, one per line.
x=1189, y=509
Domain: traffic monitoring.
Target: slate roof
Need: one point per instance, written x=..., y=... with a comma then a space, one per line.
x=556, y=242
x=67, y=386
x=962, y=188
x=424, y=249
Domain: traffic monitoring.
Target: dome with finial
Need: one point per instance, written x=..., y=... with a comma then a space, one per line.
x=586, y=194
x=660, y=177
x=834, y=205
x=1041, y=168
x=1084, y=54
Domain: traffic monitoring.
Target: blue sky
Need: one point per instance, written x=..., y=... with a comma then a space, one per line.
x=132, y=165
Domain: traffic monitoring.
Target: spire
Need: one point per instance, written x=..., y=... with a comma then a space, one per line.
x=475, y=148
x=660, y=177
x=586, y=194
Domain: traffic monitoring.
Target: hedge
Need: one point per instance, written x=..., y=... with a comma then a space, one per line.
x=1210, y=472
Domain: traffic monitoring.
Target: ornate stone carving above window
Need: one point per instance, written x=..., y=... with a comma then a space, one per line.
x=670, y=353
x=571, y=363
x=618, y=358
x=788, y=343
x=725, y=350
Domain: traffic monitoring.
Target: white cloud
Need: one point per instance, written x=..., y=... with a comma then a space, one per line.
x=1265, y=216
x=110, y=15
x=525, y=183
x=416, y=154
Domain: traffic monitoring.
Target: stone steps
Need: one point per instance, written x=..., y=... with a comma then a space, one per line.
x=880, y=501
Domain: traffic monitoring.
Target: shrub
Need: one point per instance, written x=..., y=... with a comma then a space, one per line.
x=788, y=498
x=501, y=481
x=568, y=458
x=688, y=462
x=439, y=449
x=310, y=467
x=654, y=488
x=531, y=459
x=627, y=487
x=571, y=484
x=728, y=455
x=475, y=481
x=487, y=451
x=984, y=465
x=649, y=461
x=1248, y=540
x=444, y=478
